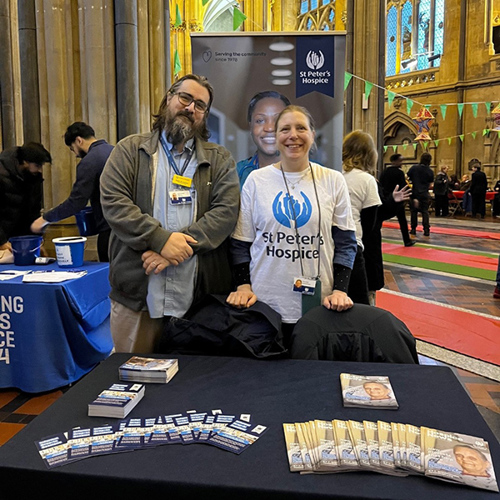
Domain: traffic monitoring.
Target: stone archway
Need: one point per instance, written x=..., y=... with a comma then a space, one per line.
x=399, y=129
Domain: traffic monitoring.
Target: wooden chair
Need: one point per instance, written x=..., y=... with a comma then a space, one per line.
x=454, y=204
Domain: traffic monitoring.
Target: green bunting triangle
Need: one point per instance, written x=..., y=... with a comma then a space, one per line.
x=498, y=133
x=443, y=110
x=178, y=18
x=409, y=105
x=390, y=97
x=395, y=147
x=415, y=146
x=485, y=131
x=449, y=140
x=488, y=107
x=461, y=137
x=460, y=108
x=427, y=106
x=177, y=63
x=474, y=109
x=204, y=2
x=238, y=18
x=426, y=143
x=473, y=134
x=347, y=79
x=368, y=89
x=385, y=149
x=436, y=142
x=405, y=146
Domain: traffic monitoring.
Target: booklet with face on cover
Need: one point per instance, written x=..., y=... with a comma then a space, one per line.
x=367, y=391
x=458, y=458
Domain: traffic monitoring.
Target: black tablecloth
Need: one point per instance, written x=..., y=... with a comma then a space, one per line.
x=273, y=392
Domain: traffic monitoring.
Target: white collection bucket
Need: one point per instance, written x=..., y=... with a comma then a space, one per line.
x=69, y=250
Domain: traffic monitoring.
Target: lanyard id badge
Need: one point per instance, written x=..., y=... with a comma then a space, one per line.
x=180, y=197
x=304, y=285
x=311, y=301
x=179, y=178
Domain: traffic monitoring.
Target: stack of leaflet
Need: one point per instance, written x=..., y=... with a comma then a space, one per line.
x=117, y=401
x=321, y=446
x=138, y=369
x=227, y=432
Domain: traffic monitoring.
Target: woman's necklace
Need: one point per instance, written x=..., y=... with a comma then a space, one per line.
x=292, y=179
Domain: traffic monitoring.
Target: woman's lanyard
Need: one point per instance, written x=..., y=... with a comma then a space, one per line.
x=178, y=178
x=297, y=235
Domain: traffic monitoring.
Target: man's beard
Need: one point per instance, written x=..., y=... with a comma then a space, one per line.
x=180, y=130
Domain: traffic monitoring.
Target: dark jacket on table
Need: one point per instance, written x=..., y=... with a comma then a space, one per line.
x=86, y=187
x=20, y=197
x=362, y=333
x=421, y=177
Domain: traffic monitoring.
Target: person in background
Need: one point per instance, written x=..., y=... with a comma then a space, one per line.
x=81, y=140
x=359, y=158
x=454, y=182
x=20, y=189
x=421, y=177
x=464, y=183
x=391, y=177
x=165, y=256
x=478, y=188
x=495, y=207
x=496, y=292
x=295, y=222
x=263, y=110
x=441, y=189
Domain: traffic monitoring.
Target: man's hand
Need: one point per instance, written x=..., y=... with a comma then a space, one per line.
x=6, y=246
x=153, y=262
x=338, y=301
x=401, y=194
x=243, y=297
x=38, y=225
x=177, y=249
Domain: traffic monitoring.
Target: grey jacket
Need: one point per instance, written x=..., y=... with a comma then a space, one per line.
x=127, y=202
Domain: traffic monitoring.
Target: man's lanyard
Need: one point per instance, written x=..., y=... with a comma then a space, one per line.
x=171, y=159
x=297, y=235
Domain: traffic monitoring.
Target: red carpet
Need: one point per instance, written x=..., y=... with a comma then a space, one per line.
x=451, y=231
x=466, y=333
x=443, y=256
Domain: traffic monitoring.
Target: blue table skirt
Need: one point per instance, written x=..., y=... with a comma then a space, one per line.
x=53, y=334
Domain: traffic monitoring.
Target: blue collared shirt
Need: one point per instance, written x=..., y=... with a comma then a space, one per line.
x=245, y=167
x=170, y=293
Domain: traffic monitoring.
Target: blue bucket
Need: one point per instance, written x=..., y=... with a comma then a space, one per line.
x=85, y=222
x=25, y=249
x=69, y=250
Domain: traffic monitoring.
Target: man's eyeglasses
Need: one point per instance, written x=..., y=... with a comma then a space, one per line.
x=187, y=99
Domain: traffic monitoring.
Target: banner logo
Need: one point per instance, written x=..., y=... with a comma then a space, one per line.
x=314, y=60
x=285, y=206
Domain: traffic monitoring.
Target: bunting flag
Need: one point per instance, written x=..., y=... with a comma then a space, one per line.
x=177, y=63
x=390, y=97
x=178, y=18
x=368, y=89
x=238, y=18
x=449, y=140
x=395, y=147
x=409, y=105
x=427, y=107
x=485, y=131
x=204, y=2
x=473, y=134
x=498, y=133
x=347, y=79
x=414, y=146
x=426, y=144
x=436, y=142
x=474, y=109
x=488, y=107
x=443, y=110
x=405, y=145
x=460, y=108
x=461, y=137
x=385, y=149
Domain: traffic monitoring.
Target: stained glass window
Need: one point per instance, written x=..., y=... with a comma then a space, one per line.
x=304, y=6
x=415, y=34
x=317, y=15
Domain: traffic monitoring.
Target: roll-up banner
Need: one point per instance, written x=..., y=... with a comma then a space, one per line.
x=304, y=69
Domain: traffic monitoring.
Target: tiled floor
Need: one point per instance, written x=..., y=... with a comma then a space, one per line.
x=18, y=409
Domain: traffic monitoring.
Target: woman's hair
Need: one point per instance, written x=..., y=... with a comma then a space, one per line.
x=358, y=151
x=262, y=95
x=300, y=109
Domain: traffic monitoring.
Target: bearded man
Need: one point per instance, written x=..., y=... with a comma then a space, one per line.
x=171, y=200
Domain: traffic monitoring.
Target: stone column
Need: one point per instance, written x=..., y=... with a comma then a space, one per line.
x=29, y=71
x=159, y=53
x=127, y=68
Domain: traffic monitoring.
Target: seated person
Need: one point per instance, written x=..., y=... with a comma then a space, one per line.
x=295, y=222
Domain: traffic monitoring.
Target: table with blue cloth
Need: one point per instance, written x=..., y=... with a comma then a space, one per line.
x=273, y=392
x=51, y=334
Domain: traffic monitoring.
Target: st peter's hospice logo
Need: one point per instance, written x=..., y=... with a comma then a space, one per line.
x=285, y=205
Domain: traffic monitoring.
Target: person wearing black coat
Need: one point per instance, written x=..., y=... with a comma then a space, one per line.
x=478, y=188
x=20, y=189
x=441, y=189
